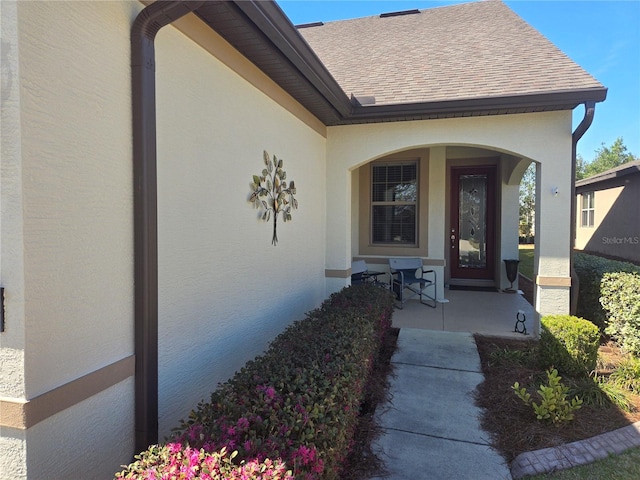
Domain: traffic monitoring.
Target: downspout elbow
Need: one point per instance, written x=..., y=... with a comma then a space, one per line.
x=587, y=120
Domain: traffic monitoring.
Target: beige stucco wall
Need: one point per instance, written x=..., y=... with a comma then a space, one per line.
x=67, y=233
x=77, y=176
x=543, y=137
x=225, y=290
x=13, y=457
x=67, y=253
x=603, y=201
x=91, y=440
x=616, y=231
x=11, y=240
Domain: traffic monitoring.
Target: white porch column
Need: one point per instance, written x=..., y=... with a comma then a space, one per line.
x=338, y=260
x=437, y=213
x=512, y=170
x=553, y=230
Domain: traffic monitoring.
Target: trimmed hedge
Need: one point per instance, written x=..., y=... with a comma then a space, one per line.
x=569, y=344
x=621, y=301
x=299, y=402
x=590, y=270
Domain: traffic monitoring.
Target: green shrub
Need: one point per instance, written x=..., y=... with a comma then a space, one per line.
x=506, y=357
x=621, y=300
x=627, y=375
x=590, y=270
x=600, y=392
x=554, y=405
x=569, y=344
x=298, y=403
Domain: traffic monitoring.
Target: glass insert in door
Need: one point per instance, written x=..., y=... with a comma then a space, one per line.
x=472, y=222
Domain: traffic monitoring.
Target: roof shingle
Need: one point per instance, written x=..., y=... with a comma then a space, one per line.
x=466, y=51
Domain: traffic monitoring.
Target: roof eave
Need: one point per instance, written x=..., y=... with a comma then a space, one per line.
x=623, y=170
x=272, y=23
x=561, y=100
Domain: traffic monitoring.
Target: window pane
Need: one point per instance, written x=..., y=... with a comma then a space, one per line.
x=405, y=192
x=394, y=173
x=588, y=210
x=394, y=224
x=409, y=173
x=394, y=195
x=472, y=242
x=379, y=174
x=394, y=183
x=378, y=191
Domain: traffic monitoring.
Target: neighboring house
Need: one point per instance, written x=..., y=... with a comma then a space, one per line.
x=136, y=274
x=607, y=219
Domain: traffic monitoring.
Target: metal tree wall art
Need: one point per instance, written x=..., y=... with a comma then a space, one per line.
x=272, y=194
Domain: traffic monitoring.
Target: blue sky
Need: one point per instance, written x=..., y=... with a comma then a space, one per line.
x=601, y=36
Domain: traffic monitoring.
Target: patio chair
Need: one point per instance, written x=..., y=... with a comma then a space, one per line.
x=358, y=272
x=410, y=279
x=361, y=274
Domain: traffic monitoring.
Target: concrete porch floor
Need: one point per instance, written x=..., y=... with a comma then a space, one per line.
x=487, y=313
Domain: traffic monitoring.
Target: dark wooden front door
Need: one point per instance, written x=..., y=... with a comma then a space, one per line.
x=472, y=232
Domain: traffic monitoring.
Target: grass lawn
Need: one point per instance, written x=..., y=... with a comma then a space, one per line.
x=525, y=267
x=620, y=467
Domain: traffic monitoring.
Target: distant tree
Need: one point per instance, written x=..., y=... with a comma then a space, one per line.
x=608, y=157
x=528, y=201
x=580, y=167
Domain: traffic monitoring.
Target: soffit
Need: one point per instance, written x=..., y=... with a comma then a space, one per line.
x=230, y=21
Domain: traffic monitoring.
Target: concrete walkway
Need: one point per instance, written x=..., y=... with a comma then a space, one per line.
x=431, y=427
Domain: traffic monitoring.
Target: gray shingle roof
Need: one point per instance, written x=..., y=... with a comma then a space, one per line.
x=629, y=168
x=466, y=51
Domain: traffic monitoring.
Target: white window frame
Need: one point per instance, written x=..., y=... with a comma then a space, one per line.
x=395, y=203
x=588, y=210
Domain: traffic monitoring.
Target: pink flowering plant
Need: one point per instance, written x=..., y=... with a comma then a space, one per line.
x=174, y=461
x=298, y=404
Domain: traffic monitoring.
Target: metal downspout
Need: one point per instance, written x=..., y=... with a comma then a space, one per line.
x=143, y=32
x=589, y=112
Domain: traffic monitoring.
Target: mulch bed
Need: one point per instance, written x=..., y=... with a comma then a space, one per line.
x=512, y=424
